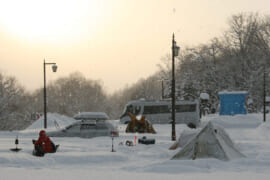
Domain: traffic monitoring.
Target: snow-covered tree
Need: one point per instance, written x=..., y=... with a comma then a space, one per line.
x=71, y=95
x=13, y=107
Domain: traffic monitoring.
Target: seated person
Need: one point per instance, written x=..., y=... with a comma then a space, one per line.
x=43, y=145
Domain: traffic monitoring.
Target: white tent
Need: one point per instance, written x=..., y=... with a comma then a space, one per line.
x=185, y=137
x=211, y=142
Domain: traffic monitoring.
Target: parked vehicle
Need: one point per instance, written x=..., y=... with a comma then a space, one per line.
x=88, y=125
x=159, y=112
x=85, y=129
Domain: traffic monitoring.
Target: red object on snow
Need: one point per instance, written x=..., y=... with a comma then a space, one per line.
x=44, y=141
x=114, y=133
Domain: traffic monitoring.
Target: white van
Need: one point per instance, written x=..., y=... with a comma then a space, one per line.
x=159, y=112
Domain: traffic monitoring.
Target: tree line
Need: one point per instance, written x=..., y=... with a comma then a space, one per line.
x=235, y=61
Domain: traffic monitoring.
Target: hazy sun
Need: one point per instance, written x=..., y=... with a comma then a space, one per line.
x=54, y=20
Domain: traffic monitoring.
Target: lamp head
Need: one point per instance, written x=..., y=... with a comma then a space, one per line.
x=176, y=50
x=54, y=68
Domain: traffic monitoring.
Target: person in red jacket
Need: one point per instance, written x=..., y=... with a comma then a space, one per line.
x=43, y=145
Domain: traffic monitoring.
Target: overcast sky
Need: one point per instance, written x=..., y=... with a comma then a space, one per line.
x=115, y=41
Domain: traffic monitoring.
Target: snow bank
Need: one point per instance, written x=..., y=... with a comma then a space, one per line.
x=265, y=126
x=54, y=121
x=237, y=121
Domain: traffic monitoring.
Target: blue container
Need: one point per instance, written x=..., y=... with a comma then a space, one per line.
x=232, y=103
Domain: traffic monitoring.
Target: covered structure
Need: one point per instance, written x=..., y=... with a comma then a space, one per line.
x=140, y=126
x=232, y=102
x=211, y=142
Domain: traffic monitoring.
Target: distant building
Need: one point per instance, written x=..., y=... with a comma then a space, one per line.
x=232, y=102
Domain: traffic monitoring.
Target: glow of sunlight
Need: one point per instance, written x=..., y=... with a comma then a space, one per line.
x=50, y=20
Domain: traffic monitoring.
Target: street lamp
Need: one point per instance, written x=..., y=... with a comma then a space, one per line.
x=175, y=51
x=54, y=69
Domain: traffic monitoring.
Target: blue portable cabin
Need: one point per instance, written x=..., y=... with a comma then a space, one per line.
x=232, y=102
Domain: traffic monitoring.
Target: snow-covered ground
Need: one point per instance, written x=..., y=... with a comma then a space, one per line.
x=79, y=158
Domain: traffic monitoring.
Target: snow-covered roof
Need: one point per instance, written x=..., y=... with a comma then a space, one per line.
x=204, y=96
x=91, y=116
x=233, y=92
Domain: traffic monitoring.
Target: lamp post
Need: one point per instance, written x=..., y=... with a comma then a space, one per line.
x=54, y=69
x=175, y=51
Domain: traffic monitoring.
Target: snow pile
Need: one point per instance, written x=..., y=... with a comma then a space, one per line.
x=54, y=121
x=237, y=121
x=264, y=126
x=264, y=129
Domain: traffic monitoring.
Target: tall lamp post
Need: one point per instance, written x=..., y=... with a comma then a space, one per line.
x=54, y=69
x=175, y=51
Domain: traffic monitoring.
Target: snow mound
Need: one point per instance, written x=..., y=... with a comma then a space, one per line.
x=264, y=130
x=54, y=121
x=237, y=121
x=264, y=126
